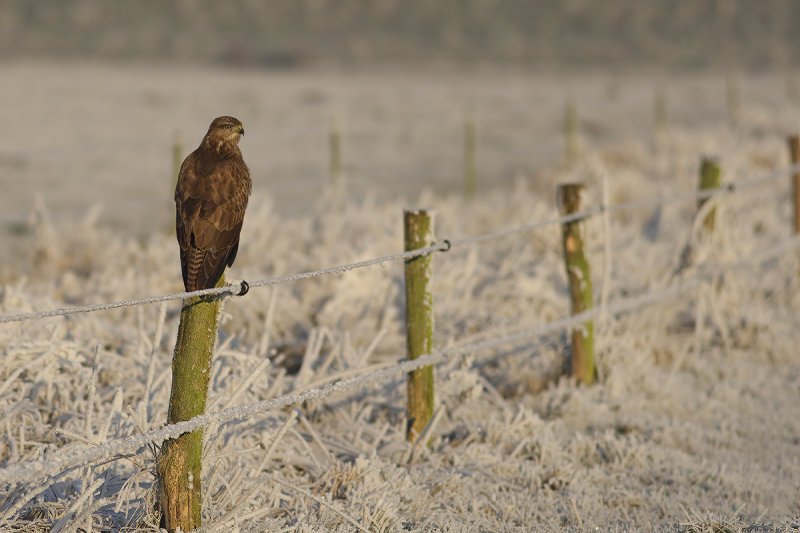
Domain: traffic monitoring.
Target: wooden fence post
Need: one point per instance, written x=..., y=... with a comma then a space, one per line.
x=732, y=98
x=580, y=283
x=470, y=167
x=794, y=153
x=418, y=230
x=178, y=465
x=177, y=158
x=791, y=89
x=570, y=131
x=335, y=147
x=710, y=173
x=660, y=111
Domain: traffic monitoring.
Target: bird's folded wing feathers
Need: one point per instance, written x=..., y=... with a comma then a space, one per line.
x=210, y=212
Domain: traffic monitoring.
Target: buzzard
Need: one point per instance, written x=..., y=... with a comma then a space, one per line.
x=210, y=200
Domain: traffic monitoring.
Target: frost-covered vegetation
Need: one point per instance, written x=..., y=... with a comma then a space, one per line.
x=692, y=425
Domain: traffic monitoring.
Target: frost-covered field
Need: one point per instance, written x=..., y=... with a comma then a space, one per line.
x=693, y=424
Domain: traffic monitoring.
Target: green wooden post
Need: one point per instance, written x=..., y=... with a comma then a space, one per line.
x=580, y=283
x=791, y=89
x=710, y=173
x=571, y=131
x=470, y=167
x=178, y=464
x=732, y=98
x=660, y=111
x=418, y=229
x=794, y=154
x=335, y=147
x=177, y=158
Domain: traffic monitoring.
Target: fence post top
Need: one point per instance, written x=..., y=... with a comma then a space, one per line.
x=568, y=196
x=577, y=184
x=419, y=210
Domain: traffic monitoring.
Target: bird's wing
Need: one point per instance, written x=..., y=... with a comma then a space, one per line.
x=210, y=210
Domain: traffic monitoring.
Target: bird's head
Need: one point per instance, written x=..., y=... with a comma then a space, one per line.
x=225, y=129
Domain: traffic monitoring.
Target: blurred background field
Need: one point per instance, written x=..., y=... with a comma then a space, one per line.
x=693, y=425
x=87, y=134
x=95, y=95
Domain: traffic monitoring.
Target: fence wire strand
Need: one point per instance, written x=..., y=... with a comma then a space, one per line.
x=232, y=289
x=706, y=193
x=236, y=289
x=51, y=466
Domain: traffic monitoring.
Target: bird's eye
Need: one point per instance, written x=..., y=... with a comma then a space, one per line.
x=228, y=126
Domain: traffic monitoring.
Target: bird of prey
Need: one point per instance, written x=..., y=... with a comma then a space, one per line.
x=210, y=200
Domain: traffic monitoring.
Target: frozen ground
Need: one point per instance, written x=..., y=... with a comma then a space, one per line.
x=694, y=422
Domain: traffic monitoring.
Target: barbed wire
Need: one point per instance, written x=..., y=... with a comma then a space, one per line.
x=33, y=470
x=241, y=288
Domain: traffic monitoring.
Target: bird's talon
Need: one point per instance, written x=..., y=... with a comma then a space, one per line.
x=244, y=288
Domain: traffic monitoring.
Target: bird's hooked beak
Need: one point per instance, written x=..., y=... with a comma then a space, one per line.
x=240, y=129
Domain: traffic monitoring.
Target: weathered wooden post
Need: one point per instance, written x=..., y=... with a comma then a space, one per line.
x=794, y=153
x=178, y=465
x=335, y=148
x=732, y=98
x=791, y=89
x=177, y=158
x=570, y=131
x=470, y=166
x=710, y=173
x=580, y=283
x=660, y=111
x=418, y=230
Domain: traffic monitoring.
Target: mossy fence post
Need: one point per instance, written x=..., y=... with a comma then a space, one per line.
x=580, y=283
x=660, y=111
x=792, y=94
x=710, y=173
x=794, y=153
x=418, y=227
x=570, y=131
x=177, y=161
x=470, y=165
x=335, y=149
x=732, y=98
x=177, y=158
x=178, y=466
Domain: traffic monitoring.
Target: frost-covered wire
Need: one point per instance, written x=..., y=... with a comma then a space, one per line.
x=239, y=289
x=227, y=290
x=33, y=470
x=702, y=194
x=627, y=206
x=572, y=217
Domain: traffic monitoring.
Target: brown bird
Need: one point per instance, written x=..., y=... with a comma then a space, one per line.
x=210, y=199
